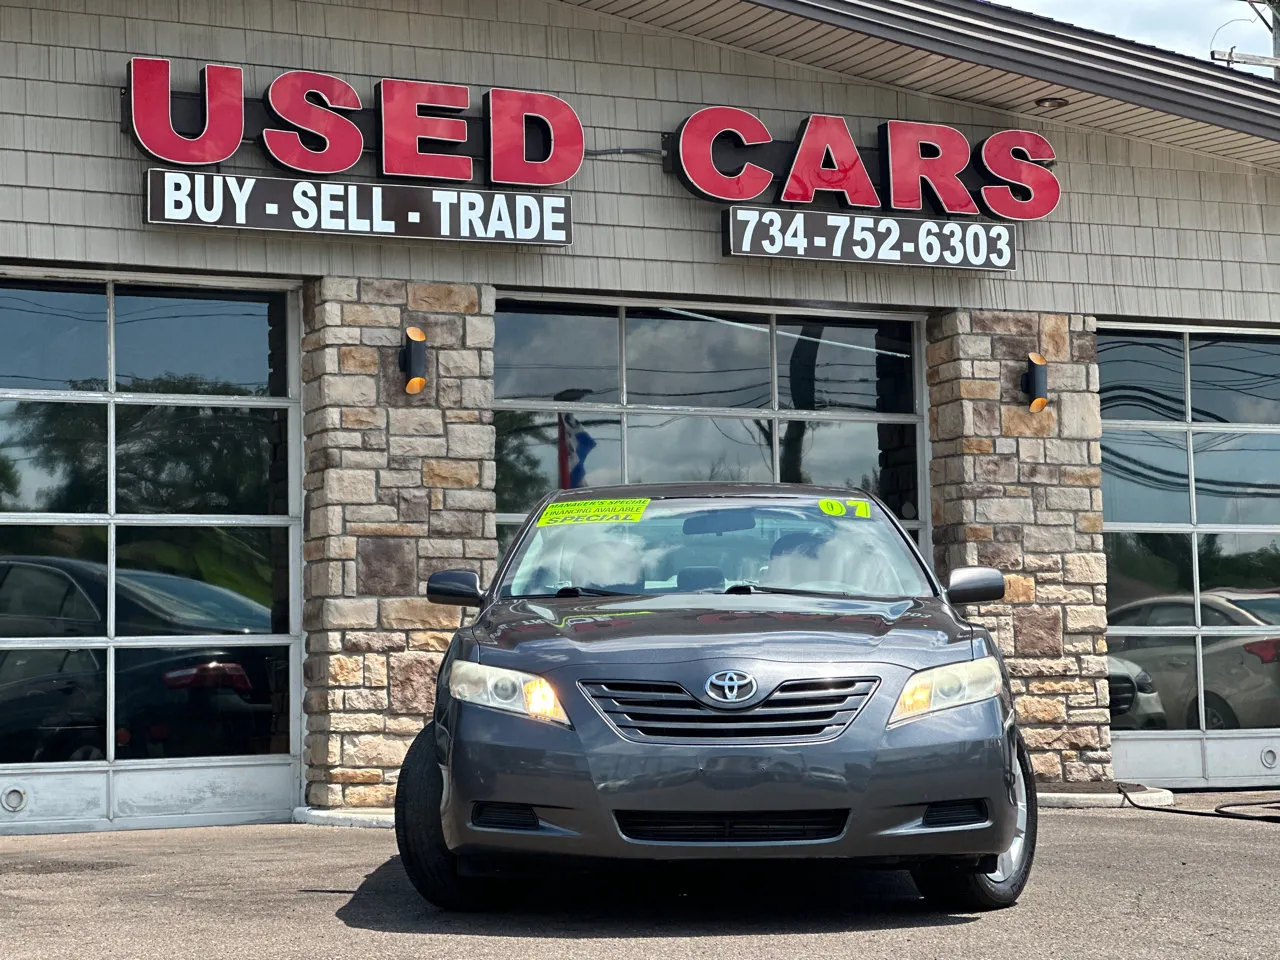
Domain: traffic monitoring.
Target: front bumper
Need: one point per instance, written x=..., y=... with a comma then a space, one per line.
x=575, y=780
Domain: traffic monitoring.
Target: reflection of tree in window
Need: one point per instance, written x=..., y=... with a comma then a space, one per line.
x=9, y=485
x=520, y=480
x=66, y=441
x=1223, y=566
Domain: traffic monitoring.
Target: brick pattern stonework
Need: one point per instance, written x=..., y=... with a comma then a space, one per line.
x=397, y=487
x=1022, y=491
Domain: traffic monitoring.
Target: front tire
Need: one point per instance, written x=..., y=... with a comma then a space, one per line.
x=951, y=888
x=431, y=866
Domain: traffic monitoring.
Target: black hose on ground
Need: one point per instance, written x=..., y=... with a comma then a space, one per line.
x=1225, y=810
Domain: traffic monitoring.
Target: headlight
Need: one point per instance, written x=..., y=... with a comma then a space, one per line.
x=951, y=686
x=508, y=690
x=1144, y=683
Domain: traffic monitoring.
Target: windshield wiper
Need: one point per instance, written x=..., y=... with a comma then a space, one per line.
x=740, y=589
x=575, y=592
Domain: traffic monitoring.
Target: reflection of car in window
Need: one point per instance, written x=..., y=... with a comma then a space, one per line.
x=1241, y=672
x=37, y=599
x=52, y=705
x=55, y=597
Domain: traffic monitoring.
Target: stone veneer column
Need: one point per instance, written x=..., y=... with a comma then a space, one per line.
x=397, y=487
x=1023, y=492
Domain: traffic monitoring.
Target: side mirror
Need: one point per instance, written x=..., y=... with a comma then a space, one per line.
x=975, y=585
x=458, y=587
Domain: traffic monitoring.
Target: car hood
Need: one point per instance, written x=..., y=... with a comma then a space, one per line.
x=543, y=634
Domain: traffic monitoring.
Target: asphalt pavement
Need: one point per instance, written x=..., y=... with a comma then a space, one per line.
x=1107, y=883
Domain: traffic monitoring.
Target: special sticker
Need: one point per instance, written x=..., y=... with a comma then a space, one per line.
x=594, y=511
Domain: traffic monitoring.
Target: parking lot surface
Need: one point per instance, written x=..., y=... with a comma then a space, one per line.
x=1111, y=883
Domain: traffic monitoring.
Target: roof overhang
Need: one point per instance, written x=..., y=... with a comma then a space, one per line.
x=988, y=55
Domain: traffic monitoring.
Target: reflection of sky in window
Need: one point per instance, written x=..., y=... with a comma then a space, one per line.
x=218, y=341
x=537, y=355
x=1236, y=477
x=670, y=449
x=1233, y=379
x=678, y=361
x=1144, y=477
x=52, y=339
x=1141, y=377
x=849, y=370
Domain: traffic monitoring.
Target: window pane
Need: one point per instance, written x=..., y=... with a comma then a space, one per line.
x=1142, y=376
x=54, y=336
x=196, y=580
x=666, y=449
x=173, y=459
x=878, y=457
x=181, y=341
x=534, y=456
x=203, y=702
x=1236, y=477
x=1240, y=576
x=1144, y=477
x=1241, y=682
x=546, y=352
x=53, y=457
x=53, y=581
x=1153, y=683
x=713, y=360
x=828, y=366
x=1146, y=567
x=53, y=705
x=1233, y=379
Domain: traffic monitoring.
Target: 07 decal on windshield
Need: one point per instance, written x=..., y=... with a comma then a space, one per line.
x=867, y=238
x=593, y=511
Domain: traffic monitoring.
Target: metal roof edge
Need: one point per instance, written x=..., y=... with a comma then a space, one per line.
x=1041, y=48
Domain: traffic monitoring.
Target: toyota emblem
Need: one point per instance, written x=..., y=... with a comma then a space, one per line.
x=731, y=686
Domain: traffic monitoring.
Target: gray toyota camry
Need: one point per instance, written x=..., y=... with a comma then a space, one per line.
x=718, y=672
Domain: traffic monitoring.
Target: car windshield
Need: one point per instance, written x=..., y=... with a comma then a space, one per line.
x=1266, y=609
x=843, y=546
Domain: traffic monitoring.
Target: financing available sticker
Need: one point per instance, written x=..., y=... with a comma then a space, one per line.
x=594, y=511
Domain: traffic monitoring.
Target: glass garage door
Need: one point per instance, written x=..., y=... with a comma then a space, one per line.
x=589, y=394
x=1191, y=499
x=149, y=543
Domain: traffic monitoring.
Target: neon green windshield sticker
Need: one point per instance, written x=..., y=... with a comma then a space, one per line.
x=839, y=508
x=594, y=511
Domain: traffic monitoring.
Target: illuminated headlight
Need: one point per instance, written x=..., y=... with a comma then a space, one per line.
x=508, y=690
x=951, y=686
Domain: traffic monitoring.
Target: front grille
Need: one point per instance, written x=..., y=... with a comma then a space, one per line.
x=955, y=813
x=776, y=826
x=662, y=710
x=504, y=816
x=1122, y=693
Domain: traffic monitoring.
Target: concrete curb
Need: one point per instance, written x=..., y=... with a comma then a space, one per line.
x=1146, y=797
x=377, y=817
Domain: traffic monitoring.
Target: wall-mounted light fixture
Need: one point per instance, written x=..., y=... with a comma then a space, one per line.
x=1035, y=382
x=413, y=359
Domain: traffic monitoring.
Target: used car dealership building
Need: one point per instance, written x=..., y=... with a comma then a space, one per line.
x=301, y=302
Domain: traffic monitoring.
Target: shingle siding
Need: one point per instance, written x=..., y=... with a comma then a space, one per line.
x=1143, y=230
